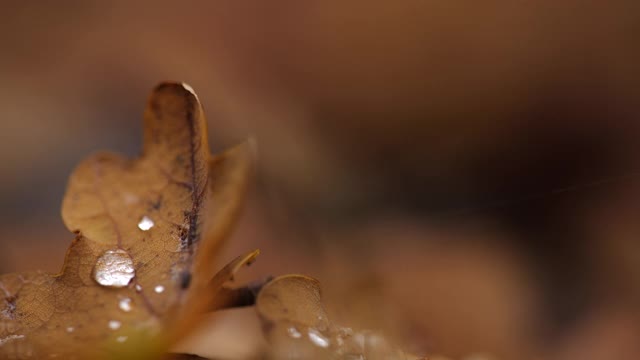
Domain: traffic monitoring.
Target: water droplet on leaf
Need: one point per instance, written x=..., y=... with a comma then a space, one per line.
x=114, y=269
x=159, y=289
x=318, y=339
x=145, y=223
x=125, y=304
x=114, y=324
x=294, y=333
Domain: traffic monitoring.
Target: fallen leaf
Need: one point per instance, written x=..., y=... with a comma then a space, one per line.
x=298, y=327
x=147, y=230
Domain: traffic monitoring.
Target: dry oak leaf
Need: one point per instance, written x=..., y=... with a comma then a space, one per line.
x=139, y=270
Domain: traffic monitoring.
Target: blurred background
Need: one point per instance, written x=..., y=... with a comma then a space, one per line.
x=461, y=176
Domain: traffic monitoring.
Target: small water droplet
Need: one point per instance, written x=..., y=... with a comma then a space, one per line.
x=114, y=269
x=145, y=223
x=318, y=339
x=159, y=289
x=138, y=287
x=294, y=333
x=125, y=304
x=121, y=339
x=114, y=324
x=70, y=329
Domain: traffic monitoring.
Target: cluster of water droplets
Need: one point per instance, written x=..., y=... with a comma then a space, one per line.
x=115, y=268
x=302, y=342
x=115, y=325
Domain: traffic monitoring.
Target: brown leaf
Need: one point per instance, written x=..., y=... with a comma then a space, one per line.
x=146, y=233
x=298, y=327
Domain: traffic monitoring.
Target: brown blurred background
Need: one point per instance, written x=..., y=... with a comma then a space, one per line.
x=461, y=176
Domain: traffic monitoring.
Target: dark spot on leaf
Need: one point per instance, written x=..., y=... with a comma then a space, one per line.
x=185, y=279
x=156, y=204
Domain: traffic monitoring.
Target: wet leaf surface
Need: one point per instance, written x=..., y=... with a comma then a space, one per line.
x=139, y=270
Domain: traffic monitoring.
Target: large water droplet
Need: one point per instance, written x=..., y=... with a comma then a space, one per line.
x=145, y=223
x=318, y=339
x=125, y=304
x=114, y=269
x=159, y=289
x=114, y=324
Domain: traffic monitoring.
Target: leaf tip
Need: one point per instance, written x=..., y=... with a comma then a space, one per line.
x=174, y=118
x=173, y=98
x=174, y=87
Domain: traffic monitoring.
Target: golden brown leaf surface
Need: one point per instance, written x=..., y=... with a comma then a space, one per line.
x=165, y=212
